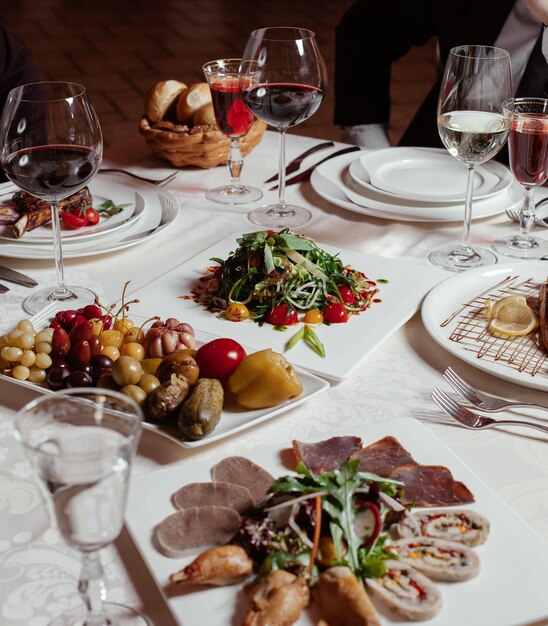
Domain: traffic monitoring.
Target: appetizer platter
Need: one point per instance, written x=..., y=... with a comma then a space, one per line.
x=278, y=286
x=458, y=314
x=181, y=377
x=217, y=584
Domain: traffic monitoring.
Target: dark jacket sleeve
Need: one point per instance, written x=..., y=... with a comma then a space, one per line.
x=370, y=36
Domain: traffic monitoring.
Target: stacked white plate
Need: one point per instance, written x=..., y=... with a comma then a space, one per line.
x=414, y=184
x=150, y=210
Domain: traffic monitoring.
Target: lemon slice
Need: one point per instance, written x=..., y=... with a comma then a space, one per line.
x=502, y=302
x=487, y=309
x=515, y=319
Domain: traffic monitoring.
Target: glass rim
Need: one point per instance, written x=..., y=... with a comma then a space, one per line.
x=259, y=33
x=79, y=91
x=128, y=438
x=490, y=52
x=217, y=65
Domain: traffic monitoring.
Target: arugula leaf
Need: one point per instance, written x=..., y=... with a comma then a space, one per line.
x=109, y=208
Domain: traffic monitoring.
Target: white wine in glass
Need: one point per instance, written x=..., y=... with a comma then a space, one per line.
x=472, y=126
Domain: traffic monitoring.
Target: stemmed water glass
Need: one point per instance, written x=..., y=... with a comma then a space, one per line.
x=234, y=120
x=282, y=80
x=80, y=444
x=471, y=123
x=51, y=147
x=528, y=151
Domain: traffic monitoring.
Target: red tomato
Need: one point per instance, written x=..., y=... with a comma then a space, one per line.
x=73, y=221
x=219, y=358
x=92, y=216
x=347, y=295
x=282, y=315
x=335, y=313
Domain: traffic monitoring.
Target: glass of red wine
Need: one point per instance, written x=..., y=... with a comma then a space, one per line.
x=51, y=148
x=528, y=151
x=282, y=80
x=234, y=120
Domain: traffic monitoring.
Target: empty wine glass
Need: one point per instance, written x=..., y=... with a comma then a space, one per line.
x=234, y=120
x=528, y=151
x=282, y=79
x=51, y=147
x=80, y=444
x=472, y=125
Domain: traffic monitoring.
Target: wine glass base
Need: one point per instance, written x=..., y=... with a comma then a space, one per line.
x=456, y=258
x=521, y=248
x=234, y=194
x=76, y=297
x=274, y=217
x=117, y=615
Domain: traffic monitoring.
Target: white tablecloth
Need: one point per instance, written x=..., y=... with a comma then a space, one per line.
x=38, y=573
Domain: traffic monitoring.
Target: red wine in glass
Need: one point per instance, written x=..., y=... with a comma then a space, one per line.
x=528, y=152
x=234, y=120
x=283, y=105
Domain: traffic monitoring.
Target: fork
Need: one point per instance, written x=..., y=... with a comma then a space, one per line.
x=472, y=420
x=162, y=181
x=482, y=400
x=538, y=221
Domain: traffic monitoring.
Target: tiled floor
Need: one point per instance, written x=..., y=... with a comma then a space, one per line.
x=119, y=48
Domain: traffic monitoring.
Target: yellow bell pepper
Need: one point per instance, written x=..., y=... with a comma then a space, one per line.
x=264, y=379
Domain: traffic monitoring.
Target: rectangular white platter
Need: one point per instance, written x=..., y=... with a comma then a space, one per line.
x=346, y=345
x=509, y=591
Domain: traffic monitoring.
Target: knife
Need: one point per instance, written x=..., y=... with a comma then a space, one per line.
x=3, y=288
x=296, y=163
x=305, y=175
x=16, y=277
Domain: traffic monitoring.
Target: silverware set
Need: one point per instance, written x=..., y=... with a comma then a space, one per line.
x=485, y=402
x=538, y=221
x=13, y=276
x=154, y=181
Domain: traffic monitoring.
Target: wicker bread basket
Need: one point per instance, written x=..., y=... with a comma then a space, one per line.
x=203, y=146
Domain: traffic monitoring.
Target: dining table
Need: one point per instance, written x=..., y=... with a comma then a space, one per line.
x=39, y=572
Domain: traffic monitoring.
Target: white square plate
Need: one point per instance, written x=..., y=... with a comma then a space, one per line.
x=346, y=345
x=509, y=591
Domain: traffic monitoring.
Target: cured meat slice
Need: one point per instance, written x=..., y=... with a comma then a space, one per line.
x=430, y=485
x=241, y=471
x=327, y=455
x=406, y=592
x=383, y=456
x=463, y=526
x=197, y=527
x=438, y=559
x=218, y=494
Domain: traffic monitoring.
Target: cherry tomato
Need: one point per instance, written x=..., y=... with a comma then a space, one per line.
x=92, y=216
x=282, y=315
x=219, y=358
x=335, y=313
x=237, y=312
x=73, y=221
x=313, y=317
x=347, y=295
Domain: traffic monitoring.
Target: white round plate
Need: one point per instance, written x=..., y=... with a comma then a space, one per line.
x=452, y=315
x=160, y=211
x=100, y=190
x=332, y=182
x=426, y=174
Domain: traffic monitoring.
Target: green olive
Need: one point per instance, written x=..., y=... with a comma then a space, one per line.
x=127, y=371
x=135, y=392
x=107, y=382
x=148, y=383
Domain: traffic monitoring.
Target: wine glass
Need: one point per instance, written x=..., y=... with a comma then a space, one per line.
x=80, y=444
x=282, y=80
x=472, y=125
x=51, y=148
x=528, y=151
x=234, y=120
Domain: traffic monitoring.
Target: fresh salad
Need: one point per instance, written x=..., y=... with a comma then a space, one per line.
x=282, y=279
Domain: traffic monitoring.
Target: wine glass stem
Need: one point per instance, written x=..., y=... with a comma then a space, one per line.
x=60, y=290
x=235, y=161
x=92, y=589
x=468, y=208
x=281, y=171
x=527, y=214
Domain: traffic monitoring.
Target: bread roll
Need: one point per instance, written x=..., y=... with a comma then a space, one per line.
x=191, y=100
x=204, y=115
x=160, y=101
